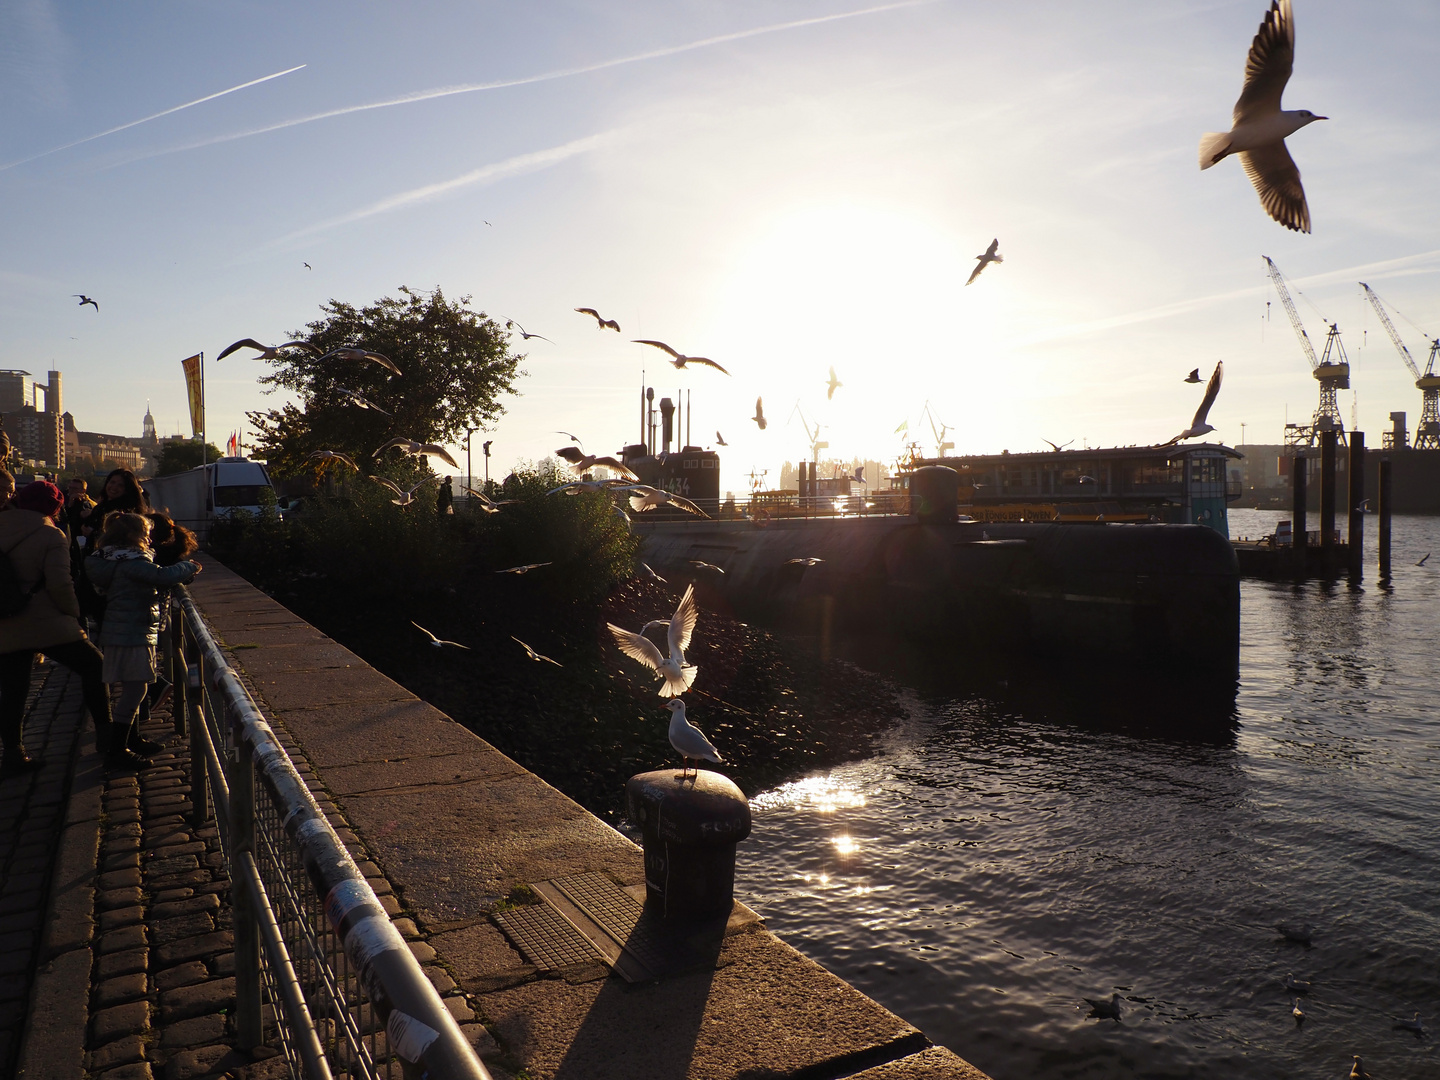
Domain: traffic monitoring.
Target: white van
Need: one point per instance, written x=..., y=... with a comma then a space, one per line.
x=198, y=497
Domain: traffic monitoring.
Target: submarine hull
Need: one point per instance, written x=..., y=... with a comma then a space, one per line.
x=1160, y=596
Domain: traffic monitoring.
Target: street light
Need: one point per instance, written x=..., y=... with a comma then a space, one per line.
x=486, y=449
x=469, y=476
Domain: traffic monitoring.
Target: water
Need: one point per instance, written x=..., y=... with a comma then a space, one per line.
x=999, y=860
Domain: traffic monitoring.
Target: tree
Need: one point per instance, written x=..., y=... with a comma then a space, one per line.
x=454, y=365
x=176, y=457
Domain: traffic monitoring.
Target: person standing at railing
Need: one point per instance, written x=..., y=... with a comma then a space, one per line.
x=124, y=570
x=49, y=623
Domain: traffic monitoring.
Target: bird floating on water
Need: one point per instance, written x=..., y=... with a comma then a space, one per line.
x=1412, y=1024
x=402, y=497
x=1261, y=126
x=362, y=401
x=1194, y=376
x=603, y=323
x=1357, y=1071
x=688, y=740
x=1199, y=426
x=580, y=461
x=267, y=352
x=680, y=359
x=1301, y=933
x=86, y=300
x=644, y=497
x=759, y=416
x=1104, y=1010
x=352, y=352
x=532, y=653
x=992, y=254
x=833, y=385
x=1297, y=1012
x=438, y=643
x=1298, y=986
x=334, y=455
x=419, y=449
x=676, y=675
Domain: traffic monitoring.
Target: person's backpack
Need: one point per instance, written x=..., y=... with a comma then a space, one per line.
x=14, y=598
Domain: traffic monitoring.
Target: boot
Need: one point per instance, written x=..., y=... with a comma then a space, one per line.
x=17, y=762
x=138, y=744
x=117, y=753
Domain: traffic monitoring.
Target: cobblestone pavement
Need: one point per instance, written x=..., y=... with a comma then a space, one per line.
x=32, y=815
x=162, y=967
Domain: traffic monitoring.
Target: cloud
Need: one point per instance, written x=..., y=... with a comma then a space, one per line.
x=528, y=80
x=147, y=119
x=499, y=170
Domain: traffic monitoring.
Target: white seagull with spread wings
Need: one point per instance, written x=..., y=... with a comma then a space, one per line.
x=1199, y=426
x=580, y=461
x=992, y=254
x=676, y=674
x=419, y=449
x=644, y=497
x=267, y=352
x=402, y=498
x=680, y=359
x=1261, y=126
x=350, y=352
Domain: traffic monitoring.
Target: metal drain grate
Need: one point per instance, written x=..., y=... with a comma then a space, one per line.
x=623, y=919
x=545, y=937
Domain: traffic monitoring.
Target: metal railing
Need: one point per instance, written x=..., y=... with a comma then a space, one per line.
x=319, y=968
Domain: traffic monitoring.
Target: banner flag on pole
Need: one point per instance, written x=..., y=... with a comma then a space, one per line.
x=196, y=390
x=232, y=446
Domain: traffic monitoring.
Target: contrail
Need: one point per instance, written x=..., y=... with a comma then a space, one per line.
x=147, y=119
x=548, y=76
x=499, y=170
x=1403, y=266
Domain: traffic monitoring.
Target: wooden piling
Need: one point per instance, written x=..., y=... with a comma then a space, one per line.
x=1355, y=532
x=1327, y=501
x=1298, y=512
x=1384, y=508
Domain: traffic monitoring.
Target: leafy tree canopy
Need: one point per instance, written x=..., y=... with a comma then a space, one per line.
x=455, y=363
x=177, y=457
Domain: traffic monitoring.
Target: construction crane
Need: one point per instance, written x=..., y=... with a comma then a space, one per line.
x=1427, y=434
x=939, y=432
x=1331, y=374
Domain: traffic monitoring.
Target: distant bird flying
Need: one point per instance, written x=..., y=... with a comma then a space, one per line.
x=1261, y=126
x=1057, y=447
x=418, y=449
x=675, y=674
x=601, y=323
x=1199, y=426
x=833, y=385
x=581, y=461
x=573, y=438
x=1194, y=376
x=524, y=569
x=720, y=440
x=438, y=643
x=307, y=266
x=688, y=740
x=533, y=654
x=575, y=487
x=267, y=352
x=805, y=562
x=349, y=352
x=512, y=324
x=363, y=402
x=487, y=504
x=680, y=359
x=709, y=568
x=992, y=254
x=86, y=300
x=334, y=455
x=759, y=416
x=1424, y=559
x=644, y=497
x=402, y=498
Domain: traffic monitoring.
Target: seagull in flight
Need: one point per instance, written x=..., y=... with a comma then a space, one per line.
x=806, y=562
x=334, y=455
x=350, y=352
x=680, y=359
x=532, y=653
x=1194, y=376
x=1199, y=426
x=650, y=575
x=992, y=254
x=363, y=402
x=307, y=266
x=1057, y=447
x=402, y=498
x=601, y=323
x=759, y=416
x=833, y=385
x=644, y=497
x=487, y=504
x=676, y=675
x=575, y=487
x=418, y=449
x=438, y=643
x=86, y=300
x=512, y=324
x=720, y=440
x=688, y=740
x=709, y=568
x=580, y=461
x=573, y=438
x=267, y=352
x=1260, y=125
x=525, y=569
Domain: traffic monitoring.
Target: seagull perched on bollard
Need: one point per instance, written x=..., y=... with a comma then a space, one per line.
x=688, y=740
x=1199, y=426
x=1261, y=126
x=438, y=643
x=676, y=675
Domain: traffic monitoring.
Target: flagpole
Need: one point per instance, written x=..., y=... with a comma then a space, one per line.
x=204, y=420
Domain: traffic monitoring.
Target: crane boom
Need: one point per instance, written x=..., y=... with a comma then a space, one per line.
x=1390, y=329
x=1279, y=280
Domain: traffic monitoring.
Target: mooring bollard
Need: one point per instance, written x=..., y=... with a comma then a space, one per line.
x=689, y=829
x=1299, y=513
x=1384, y=495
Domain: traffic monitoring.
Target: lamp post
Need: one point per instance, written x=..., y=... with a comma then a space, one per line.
x=486, y=449
x=469, y=476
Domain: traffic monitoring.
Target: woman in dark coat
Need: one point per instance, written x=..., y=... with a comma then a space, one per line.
x=121, y=493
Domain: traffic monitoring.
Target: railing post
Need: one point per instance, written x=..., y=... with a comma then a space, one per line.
x=174, y=666
x=247, y=932
x=190, y=697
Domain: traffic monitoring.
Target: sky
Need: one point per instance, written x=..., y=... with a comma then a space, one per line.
x=780, y=186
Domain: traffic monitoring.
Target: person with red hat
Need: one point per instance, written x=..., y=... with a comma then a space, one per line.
x=49, y=623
